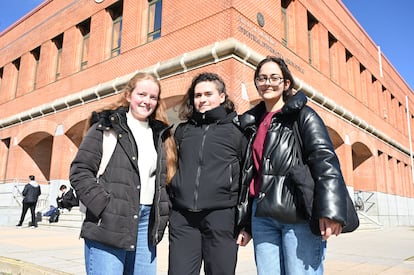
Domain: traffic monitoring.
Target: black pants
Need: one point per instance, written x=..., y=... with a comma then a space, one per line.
x=64, y=204
x=26, y=206
x=206, y=235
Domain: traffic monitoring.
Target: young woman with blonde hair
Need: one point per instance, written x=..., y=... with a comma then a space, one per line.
x=127, y=206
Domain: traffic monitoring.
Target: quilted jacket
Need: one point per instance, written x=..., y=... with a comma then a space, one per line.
x=279, y=154
x=112, y=201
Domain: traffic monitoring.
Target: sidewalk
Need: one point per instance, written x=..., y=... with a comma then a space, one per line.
x=51, y=250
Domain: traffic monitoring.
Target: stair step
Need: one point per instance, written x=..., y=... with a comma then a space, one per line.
x=367, y=224
x=71, y=219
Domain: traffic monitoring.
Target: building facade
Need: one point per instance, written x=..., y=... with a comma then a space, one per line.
x=67, y=58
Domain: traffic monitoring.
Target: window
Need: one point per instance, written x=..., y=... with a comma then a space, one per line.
x=84, y=28
x=154, y=20
x=58, y=40
x=285, y=21
x=1, y=77
x=333, y=60
x=385, y=100
x=36, y=56
x=393, y=109
x=361, y=68
x=363, y=82
x=116, y=14
x=350, y=71
x=311, y=38
x=16, y=64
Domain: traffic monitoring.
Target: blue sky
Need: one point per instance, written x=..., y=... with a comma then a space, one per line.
x=389, y=24
x=11, y=11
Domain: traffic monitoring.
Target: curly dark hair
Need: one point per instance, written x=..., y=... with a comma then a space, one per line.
x=187, y=107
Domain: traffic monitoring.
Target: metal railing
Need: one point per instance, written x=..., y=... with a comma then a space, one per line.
x=16, y=192
x=21, y=181
x=362, y=200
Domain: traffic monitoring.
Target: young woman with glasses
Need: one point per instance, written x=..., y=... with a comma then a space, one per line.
x=280, y=247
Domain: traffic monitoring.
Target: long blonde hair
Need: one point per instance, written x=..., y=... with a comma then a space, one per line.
x=158, y=114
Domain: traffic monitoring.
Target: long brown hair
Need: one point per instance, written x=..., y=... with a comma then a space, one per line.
x=158, y=114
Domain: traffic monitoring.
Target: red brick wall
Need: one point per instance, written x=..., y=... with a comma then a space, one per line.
x=191, y=27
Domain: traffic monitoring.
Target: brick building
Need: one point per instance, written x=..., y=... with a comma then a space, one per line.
x=67, y=58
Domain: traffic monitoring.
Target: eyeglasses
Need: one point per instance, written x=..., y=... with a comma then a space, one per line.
x=275, y=79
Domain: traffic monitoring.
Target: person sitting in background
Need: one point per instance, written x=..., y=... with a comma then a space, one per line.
x=66, y=199
x=53, y=214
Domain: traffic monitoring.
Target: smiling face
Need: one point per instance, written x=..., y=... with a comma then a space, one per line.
x=270, y=84
x=143, y=99
x=207, y=96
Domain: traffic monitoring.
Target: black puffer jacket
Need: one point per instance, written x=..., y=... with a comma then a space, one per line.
x=211, y=149
x=318, y=153
x=113, y=201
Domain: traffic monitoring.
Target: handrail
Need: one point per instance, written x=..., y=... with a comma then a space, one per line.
x=369, y=218
x=17, y=195
x=361, y=200
x=21, y=181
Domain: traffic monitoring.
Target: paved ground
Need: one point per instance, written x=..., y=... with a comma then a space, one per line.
x=53, y=250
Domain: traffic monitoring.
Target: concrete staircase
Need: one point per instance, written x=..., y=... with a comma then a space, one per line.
x=368, y=223
x=74, y=219
x=71, y=219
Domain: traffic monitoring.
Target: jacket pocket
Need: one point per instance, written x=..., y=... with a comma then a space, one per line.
x=278, y=199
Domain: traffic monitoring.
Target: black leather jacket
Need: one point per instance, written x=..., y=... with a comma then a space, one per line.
x=318, y=153
x=113, y=201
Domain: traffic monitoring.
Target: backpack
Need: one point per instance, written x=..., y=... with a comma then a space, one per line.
x=108, y=146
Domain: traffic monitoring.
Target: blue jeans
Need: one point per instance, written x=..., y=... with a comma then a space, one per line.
x=102, y=259
x=286, y=248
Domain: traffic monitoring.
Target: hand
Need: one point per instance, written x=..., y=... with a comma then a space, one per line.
x=329, y=227
x=244, y=238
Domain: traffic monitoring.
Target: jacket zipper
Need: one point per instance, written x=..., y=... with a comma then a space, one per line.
x=200, y=158
x=134, y=153
x=231, y=179
x=129, y=137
